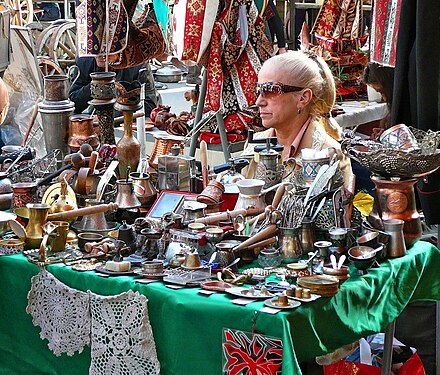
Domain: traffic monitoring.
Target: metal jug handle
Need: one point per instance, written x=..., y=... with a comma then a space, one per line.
x=289, y=167
x=73, y=74
x=139, y=186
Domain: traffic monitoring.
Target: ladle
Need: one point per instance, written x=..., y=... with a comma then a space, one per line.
x=233, y=263
x=371, y=253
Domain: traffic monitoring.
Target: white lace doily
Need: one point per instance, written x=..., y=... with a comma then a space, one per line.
x=122, y=340
x=62, y=313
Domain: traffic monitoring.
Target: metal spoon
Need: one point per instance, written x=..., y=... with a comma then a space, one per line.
x=341, y=261
x=333, y=261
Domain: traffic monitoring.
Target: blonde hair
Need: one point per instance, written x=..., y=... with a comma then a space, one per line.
x=306, y=69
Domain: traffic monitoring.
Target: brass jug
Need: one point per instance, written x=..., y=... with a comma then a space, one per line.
x=37, y=218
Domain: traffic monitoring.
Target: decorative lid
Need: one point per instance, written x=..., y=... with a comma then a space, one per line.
x=18, y=229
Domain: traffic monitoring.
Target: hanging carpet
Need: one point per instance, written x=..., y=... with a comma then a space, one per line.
x=384, y=30
x=237, y=50
x=338, y=25
x=134, y=34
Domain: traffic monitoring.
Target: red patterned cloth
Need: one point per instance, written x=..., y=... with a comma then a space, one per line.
x=338, y=25
x=237, y=50
x=214, y=138
x=193, y=21
x=384, y=30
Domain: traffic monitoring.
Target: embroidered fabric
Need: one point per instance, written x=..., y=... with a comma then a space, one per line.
x=61, y=312
x=122, y=339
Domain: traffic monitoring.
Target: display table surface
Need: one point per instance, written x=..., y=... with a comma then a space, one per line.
x=360, y=112
x=187, y=326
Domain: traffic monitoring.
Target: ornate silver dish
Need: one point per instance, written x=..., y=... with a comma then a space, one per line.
x=388, y=162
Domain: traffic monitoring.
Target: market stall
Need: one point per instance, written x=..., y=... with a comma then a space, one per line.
x=187, y=325
x=117, y=261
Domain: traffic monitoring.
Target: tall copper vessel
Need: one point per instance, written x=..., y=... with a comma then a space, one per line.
x=103, y=92
x=129, y=148
x=396, y=200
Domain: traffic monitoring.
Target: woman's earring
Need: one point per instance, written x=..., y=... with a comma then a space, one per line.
x=299, y=111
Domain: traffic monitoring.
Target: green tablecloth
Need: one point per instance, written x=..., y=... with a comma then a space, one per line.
x=188, y=326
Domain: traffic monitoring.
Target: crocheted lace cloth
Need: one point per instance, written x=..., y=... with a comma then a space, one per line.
x=122, y=339
x=61, y=312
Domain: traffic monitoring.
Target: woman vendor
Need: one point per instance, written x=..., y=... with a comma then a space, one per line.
x=296, y=93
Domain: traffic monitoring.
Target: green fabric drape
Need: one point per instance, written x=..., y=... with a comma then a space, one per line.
x=187, y=326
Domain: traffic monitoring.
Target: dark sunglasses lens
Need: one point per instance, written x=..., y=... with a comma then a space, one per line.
x=268, y=90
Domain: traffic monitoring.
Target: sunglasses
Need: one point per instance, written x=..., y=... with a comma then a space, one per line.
x=273, y=89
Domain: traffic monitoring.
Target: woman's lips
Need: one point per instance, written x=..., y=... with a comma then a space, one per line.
x=265, y=114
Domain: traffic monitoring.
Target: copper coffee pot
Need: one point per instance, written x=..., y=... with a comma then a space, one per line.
x=81, y=131
x=396, y=200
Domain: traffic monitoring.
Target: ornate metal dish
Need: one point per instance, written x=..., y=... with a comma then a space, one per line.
x=388, y=162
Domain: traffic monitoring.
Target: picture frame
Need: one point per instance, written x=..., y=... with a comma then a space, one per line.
x=169, y=201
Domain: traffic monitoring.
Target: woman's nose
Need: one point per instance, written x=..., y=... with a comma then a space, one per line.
x=260, y=100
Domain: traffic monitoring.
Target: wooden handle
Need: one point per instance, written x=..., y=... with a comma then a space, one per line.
x=82, y=211
x=204, y=161
x=268, y=232
x=31, y=122
x=120, y=119
x=278, y=195
x=263, y=243
x=93, y=161
x=227, y=215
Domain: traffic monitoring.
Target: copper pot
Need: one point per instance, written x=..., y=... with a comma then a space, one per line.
x=396, y=200
x=23, y=193
x=162, y=146
x=81, y=131
x=56, y=87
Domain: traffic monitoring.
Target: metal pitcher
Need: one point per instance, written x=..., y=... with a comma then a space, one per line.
x=126, y=197
x=143, y=188
x=37, y=218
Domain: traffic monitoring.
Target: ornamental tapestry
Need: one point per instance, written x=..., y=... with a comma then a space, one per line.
x=245, y=353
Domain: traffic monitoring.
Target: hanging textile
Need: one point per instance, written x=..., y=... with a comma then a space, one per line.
x=193, y=21
x=90, y=27
x=122, y=339
x=134, y=33
x=62, y=313
x=416, y=91
x=384, y=30
x=338, y=25
x=237, y=50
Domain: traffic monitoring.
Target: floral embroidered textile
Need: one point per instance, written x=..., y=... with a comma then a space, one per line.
x=61, y=312
x=122, y=339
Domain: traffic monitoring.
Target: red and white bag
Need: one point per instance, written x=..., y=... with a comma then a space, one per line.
x=366, y=366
